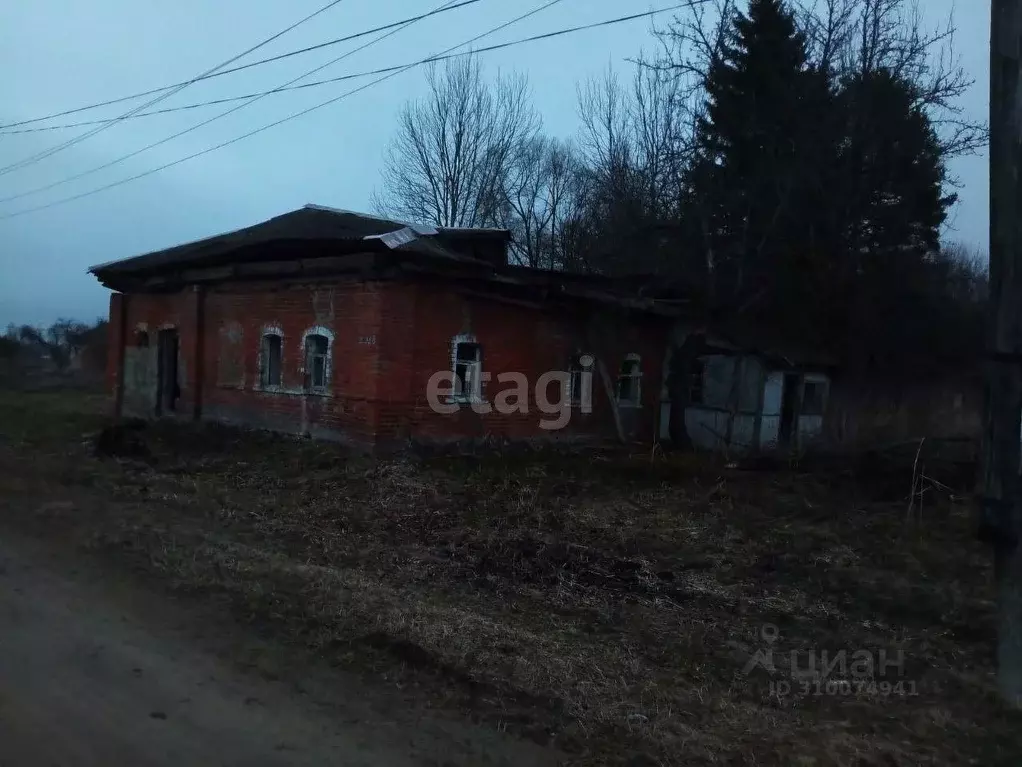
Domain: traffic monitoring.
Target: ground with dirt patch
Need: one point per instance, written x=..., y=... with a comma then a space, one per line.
x=92, y=672
x=604, y=606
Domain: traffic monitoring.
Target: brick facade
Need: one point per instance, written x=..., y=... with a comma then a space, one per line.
x=386, y=338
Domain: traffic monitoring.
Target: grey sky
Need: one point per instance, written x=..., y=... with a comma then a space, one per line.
x=59, y=54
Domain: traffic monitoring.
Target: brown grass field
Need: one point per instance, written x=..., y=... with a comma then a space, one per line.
x=604, y=604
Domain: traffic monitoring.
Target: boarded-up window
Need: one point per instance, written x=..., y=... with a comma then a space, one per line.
x=231, y=368
x=317, y=349
x=270, y=359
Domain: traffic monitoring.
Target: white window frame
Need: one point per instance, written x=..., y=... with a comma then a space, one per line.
x=577, y=379
x=264, y=370
x=635, y=376
x=474, y=370
x=307, y=386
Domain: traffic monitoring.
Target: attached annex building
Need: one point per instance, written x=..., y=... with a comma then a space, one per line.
x=332, y=324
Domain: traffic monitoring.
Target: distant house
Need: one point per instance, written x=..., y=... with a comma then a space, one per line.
x=744, y=398
x=744, y=392
x=332, y=324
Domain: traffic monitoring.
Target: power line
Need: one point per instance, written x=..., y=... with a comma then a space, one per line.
x=214, y=118
x=222, y=72
x=293, y=116
x=175, y=89
x=368, y=73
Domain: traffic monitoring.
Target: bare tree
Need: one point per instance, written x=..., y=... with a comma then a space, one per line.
x=691, y=42
x=449, y=162
x=61, y=342
x=69, y=335
x=966, y=273
x=610, y=213
x=845, y=37
x=828, y=26
x=862, y=37
x=658, y=115
x=539, y=193
x=605, y=136
x=633, y=144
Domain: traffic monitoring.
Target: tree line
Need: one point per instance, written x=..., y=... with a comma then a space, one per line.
x=60, y=343
x=781, y=164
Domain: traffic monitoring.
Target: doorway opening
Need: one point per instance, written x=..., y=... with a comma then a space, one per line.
x=167, y=388
x=789, y=408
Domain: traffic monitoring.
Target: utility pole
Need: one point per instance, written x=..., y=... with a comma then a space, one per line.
x=1000, y=523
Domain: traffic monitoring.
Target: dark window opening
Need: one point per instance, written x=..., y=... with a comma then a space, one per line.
x=316, y=349
x=628, y=382
x=696, y=383
x=167, y=387
x=271, y=358
x=142, y=339
x=789, y=409
x=813, y=398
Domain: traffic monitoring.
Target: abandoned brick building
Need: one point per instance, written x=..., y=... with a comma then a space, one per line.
x=332, y=324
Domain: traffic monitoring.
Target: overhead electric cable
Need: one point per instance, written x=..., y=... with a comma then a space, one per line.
x=219, y=73
x=179, y=87
x=214, y=118
x=366, y=73
x=293, y=116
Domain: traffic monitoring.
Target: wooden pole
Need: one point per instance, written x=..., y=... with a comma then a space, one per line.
x=1000, y=512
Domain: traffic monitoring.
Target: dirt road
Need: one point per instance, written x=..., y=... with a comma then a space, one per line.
x=94, y=673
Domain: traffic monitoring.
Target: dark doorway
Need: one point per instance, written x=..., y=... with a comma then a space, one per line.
x=789, y=408
x=167, y=389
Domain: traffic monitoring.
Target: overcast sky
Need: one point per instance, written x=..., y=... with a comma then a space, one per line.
x=60, y=54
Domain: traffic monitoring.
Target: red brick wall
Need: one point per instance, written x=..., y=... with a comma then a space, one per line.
x=420, y=321
x=388, y=339
x=236, y=319
x=114, y=344
x=149, y=314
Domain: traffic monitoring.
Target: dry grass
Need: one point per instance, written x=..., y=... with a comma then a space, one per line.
x=606, y=604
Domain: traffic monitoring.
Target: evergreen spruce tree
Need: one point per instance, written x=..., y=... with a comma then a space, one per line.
x=892, y=190
x=819, y=202
x=761, y=169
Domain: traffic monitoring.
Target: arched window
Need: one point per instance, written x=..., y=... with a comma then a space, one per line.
x=629, y=381
x=271, y=354
x=317, y=360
